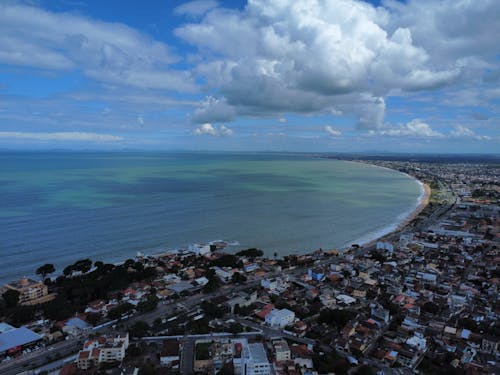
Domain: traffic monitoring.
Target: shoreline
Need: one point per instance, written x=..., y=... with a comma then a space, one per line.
x=368, y=239
x=402, y=221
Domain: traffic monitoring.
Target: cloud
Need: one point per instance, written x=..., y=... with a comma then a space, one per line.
x=415, y=128
x=195, y=8
x=282, y=120
x=461, y=131
x=106, y=52
x=214, y=110
x=62, y=136
x=332, y=131
x=209, y=129
x=307, y=56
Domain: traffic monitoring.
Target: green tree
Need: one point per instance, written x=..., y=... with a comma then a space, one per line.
x=238, y=278
x=11, y=297
x=139, y=329
x=45, y=270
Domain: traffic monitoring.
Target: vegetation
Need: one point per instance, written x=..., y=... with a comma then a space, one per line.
x=11, y=298
x=238, y=278
x=213, y=282
x=139, y=329
x=203, y=351
x=148, y=305
x=120, y=310
x=212, y=310
x=227, y=260
x=431, y=307
x=45, y=270
x=330, y=362
x=335, y=318
x=250, y=253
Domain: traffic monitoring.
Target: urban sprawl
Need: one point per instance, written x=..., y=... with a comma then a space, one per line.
x=422, y=300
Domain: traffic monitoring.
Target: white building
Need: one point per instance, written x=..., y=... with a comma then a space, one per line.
x=281, y=350
x=104, y=349
x=199, y=249
x=275, y=285
x=253, y=360
x=280, y=318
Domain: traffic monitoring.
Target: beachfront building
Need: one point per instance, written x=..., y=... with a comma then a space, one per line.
x=31, y=292
x=280, y=318
x=199, y=249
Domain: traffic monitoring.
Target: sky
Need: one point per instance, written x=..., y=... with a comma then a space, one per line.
x=419, y=76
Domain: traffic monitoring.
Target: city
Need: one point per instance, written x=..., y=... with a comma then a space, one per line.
x=421, y=299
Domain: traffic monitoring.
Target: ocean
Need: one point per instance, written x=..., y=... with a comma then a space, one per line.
x=58, y=207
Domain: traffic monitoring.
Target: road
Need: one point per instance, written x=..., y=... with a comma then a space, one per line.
x=36, y=359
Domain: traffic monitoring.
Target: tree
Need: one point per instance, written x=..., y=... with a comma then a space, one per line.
x=139, y=329
x=83, y=265
x=148, y=305
x=227, y=260
x=251, y=253
x=238, y=278
x=431, y=307
x=45, y=270
x=212, y=310
x=11, y=297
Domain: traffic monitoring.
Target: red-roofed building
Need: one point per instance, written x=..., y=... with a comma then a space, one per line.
x=265, y=311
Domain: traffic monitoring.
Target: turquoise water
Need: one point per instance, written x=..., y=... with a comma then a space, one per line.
x=59, y=207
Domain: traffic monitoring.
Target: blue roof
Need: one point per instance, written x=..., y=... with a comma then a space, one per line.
x=17, y=337
x=78, y=323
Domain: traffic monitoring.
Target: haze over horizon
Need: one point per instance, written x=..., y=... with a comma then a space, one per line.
x=303, y=75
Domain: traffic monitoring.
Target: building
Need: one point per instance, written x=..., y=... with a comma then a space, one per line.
x=253, y=360
x=104, y=349
x=14, y=340
x=280, y=318
x=200, y=250
x=31, y=292
x=281, y=351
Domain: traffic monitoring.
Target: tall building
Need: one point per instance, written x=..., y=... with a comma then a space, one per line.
x=31, y=292
x=250, y=359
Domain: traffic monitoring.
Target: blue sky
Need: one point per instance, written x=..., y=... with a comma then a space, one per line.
x=301, y=75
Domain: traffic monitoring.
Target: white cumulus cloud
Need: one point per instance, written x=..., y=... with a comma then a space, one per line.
x=461, y=131
x=414, y=128
x=332, y=131
x=310, y=56
x=209, y=129
x=107, y=52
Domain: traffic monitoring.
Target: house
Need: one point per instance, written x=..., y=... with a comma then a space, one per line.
x=280, y=318
x=316, y=275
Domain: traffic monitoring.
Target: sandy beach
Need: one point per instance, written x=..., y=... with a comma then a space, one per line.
x=424, y=201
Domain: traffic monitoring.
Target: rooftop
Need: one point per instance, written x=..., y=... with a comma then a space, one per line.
x=17, y=337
